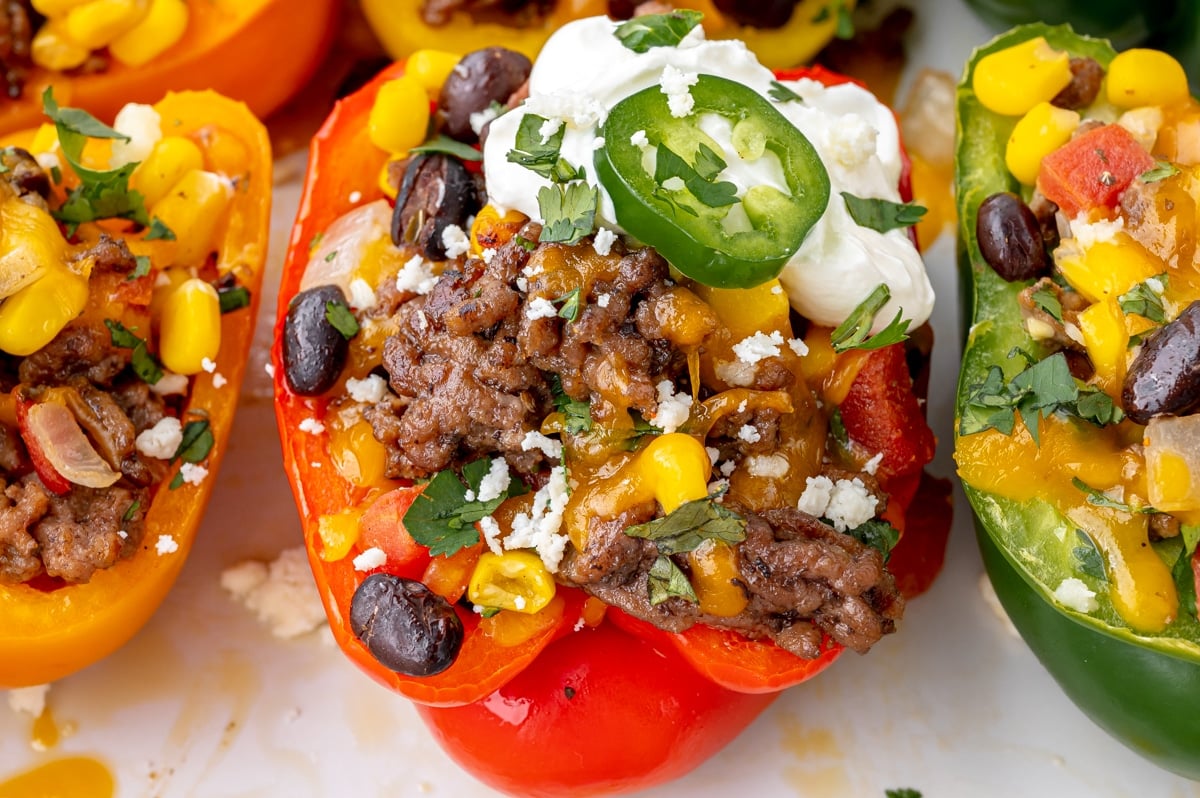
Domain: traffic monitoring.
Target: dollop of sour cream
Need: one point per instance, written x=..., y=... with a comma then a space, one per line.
x=584, y=70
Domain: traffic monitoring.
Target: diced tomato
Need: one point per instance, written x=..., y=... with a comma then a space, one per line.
x=382, y=527
x=1091, y=170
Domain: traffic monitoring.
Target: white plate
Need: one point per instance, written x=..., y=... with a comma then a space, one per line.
x=204, y=702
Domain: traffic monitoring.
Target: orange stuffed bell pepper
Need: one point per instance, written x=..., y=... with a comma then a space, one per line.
x=782, y=33
x=438, y=378
x=130, y=264
x=101, y=54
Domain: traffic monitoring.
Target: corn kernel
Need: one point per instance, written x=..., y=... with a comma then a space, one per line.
x=399, y=118
x=1145, y=77
x=96, y=23
x=30, y=318
x=193, y=210
x=1040, y=132
x=714, y=578
x=224, y=152
x=515, y=580
x=1013, y=80
x=430, y=68
x=171, y=159
x=53, y=49
x=1107, y=342
x=357, y=455
x=190, y=331
x=1110, y=268
x=676, y=467
x=338, y=533
x=161, y=28
x=490, y=230
x=142, y=124
x=30, y=243
x=168, y=280
x=45, y=139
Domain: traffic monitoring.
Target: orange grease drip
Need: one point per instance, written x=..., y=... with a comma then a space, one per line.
x=70, y=777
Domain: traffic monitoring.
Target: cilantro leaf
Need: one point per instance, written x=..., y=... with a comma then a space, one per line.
x=339, y=315
x=572, y=304
x=196, y=444
x=541, y=154
x=845, y=21
x=569, y=211
x=782, y=94
x=577, y=415
x=657, y=30
x=667, y=581
x=880, y=214
x=699, y=178
x=1185, y=569
x=837, y=427
x=141, y=267
x=878, y=535
x=855, y=331
x=444, y=144
x=690, y=524
x=131, y=511
x=1145, y=301
x=1046, y=300
x=1161, y=171
x=143, y=363
x=1099, y=499
x=902, y=792
x=234, y=298
x=441, y=518
x=1088, y=558
x=159, y=230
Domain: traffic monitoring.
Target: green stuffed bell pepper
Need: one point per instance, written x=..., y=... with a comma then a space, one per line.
x=1077, y=434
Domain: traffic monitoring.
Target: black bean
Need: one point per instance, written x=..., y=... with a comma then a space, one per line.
x=1086, y=77
x=314, y=352
x=1010, y=238
x=1164, y=378
x=758, y=13
x=436, y=192
x=405, y=625
x=481, y=78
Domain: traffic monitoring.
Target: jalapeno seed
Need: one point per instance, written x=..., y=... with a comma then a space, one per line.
x=1164, y=378
x=314, y=352
x=405, y=625
x=1010, y=238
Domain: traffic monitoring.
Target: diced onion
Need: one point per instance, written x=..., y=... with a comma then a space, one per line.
x=344, y=244
x=65, y=445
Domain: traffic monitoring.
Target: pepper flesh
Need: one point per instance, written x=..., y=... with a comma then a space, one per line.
x=1139, y=685
x=226, y=44
x=47, y=635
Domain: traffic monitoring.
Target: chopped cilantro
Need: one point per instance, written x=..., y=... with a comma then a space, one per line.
x=577, y=415
x=572, y=304
x=657, y=30
x=902, y=792
x=569, y=211
x=837, y=428
x=540, y=154
x=855, y=331
x=1099, y=499
x=196, y=444
x=782, y=94
x=141, y=267
x=1088, y=558
x=665, y=581
x=159, y=230
x=1145, y=301
x=131, y=511
x=234, y=298
x=880, y=214
x=441, y=518
x=1046, y=300
x=699, y=179
x=1161, y=171
x=339, y=315
x=448, y=146
x=690, y=524
x=143, y=363
x=878, y=535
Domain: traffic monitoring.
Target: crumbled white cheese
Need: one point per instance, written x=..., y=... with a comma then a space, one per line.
x=370, y=559
x=576, y=108
x=122, y=534
x=369, y=390
x=676, y=84
x=208, y=365
x=161, y=440
x=1074, y=594
x=1088, y=234
x=540, y=308
x=362, y=295
x=269, y=368
x=455, y=241
x=491, y=534
x=1155, y=285
x=749, y=433
x=713, y=453
x=603, y=300
x=495, y=481
x=846, y=503
x=771, y=466
x=536, y=440
x=726, y=468
x=638, y=139
x=218, y=380
x=193, y=473
x=143, y=125
x=29, y=700
x=311, y=426
x=479, y=119
x=282, y=594
x=549, y=128
x=716, y=487
x=603, y=241
x=533, y=269
x=523, y=284
x=852, y=141
x=872, y=465
x=538, y=530
x=673, y=408
x=486, y=254
x=1073, y=333
x=48, y=161
x=172, y=383
x=798, y=346
x=416, y=276
x=354, y=197
x=815, y=499
x=166, y=544
x=754, y=348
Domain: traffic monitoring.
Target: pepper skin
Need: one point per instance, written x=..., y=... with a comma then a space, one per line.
x=1141, y=688
x=227, y=47
x=706, y=708
x=49, y=634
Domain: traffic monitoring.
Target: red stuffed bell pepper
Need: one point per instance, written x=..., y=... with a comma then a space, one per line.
x=539, y=468
x=129, y=304
x=101, y=54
